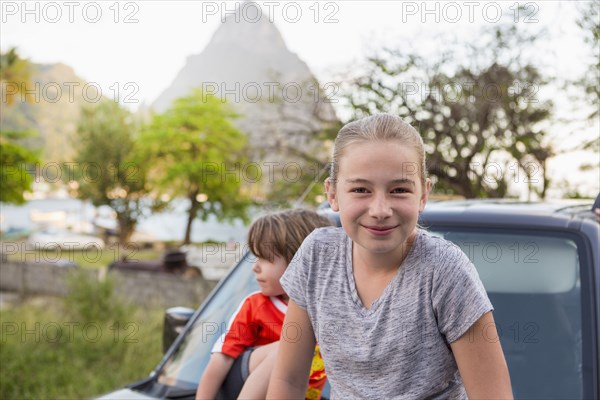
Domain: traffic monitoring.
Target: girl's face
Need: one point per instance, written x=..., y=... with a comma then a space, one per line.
x=379, y=195
x=268, y=274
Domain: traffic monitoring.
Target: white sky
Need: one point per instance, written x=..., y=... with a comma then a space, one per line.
x=151, y=47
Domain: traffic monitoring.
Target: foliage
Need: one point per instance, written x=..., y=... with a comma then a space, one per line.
x=302, y=184
x=480, y=120
x=589, y=22
x=299, y=181
x=107, y=169
x=302, y=139
x=16, y=73
x=50, y=106
x=198, y=153
x=15, y=160
x=92, y=300
x=55, y=354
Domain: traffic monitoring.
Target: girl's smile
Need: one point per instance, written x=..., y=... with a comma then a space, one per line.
x=380, y=230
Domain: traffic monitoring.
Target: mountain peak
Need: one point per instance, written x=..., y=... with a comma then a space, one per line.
x=249, y=28
x=246, y=48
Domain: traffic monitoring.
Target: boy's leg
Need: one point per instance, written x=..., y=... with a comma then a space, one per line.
x=234, y=381
x=262, y=361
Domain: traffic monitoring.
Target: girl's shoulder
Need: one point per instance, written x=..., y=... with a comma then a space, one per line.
x=436, y=251
x=327, y=241
x=429, y=242
x=327, y=234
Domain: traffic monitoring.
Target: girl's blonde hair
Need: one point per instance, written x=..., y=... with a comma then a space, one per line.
x=378, y=127
x=282, y=233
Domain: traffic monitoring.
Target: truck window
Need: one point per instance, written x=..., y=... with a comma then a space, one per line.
x=184, y=368
x=533, y=281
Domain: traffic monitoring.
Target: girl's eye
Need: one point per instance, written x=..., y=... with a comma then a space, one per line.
x=359, y=190
x=400, y=190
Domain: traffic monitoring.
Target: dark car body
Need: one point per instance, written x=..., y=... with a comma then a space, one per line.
x=540, y=266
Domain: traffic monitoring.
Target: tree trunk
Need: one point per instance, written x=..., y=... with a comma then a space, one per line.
x=126, y=228
x=192, y=213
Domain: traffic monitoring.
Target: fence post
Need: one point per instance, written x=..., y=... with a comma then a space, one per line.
x=23, y=285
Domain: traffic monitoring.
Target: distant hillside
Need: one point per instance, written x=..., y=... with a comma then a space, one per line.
x=248, y=64
x=53, y=110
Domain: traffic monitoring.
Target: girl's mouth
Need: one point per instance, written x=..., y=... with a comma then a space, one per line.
x=380, y=230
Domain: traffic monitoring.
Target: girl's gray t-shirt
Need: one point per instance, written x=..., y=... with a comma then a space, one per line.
x=399, y=348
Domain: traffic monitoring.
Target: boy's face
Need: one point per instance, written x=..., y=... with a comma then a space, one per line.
x=268, y=274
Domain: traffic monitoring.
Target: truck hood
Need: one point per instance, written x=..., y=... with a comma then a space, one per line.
x=125, y=394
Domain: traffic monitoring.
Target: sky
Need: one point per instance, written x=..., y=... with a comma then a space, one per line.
x=134, y=49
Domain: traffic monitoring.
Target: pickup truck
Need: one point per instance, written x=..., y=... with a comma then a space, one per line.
x=539, y=263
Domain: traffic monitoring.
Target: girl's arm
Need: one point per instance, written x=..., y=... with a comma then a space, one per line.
x=481, y=362
x=217, y=369
x=289, y=379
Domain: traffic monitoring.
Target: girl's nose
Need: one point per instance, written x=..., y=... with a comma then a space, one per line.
x=380, y=207
x=255, y=267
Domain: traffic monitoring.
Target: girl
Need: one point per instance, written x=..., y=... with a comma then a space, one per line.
x=397, y=312
x=242, y=360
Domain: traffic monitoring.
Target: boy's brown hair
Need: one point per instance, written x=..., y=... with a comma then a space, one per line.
x=282, y=233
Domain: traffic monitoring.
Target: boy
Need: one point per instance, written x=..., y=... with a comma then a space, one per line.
x=242, y=360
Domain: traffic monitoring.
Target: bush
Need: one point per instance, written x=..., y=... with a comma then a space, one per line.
x=91, y=299
x=83, y=346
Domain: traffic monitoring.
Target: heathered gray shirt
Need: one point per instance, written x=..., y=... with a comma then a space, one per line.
x=399, y=348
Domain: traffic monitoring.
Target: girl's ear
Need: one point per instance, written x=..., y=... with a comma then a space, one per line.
x=331, y=196
x=425, y=194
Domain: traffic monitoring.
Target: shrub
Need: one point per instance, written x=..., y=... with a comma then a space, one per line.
x=79, y=347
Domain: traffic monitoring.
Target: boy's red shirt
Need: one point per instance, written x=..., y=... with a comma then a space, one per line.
x=259, y=321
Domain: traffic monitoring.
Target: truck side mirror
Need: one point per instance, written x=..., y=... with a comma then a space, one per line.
x=176, y=318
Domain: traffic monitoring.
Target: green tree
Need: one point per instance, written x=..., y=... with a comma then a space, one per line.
x=107, y=168
x=15, y=75
x=15, y=165
x=481, y=120
x=198, y=154
x=15, y=160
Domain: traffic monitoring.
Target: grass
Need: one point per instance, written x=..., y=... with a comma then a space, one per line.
x=93, y=257
x=78, y=347
x=86, y=258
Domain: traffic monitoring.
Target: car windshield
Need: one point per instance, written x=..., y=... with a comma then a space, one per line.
x=185, y=366
x=533, y=281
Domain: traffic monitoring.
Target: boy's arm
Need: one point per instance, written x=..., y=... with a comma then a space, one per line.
x=217, y=369
x=233, y=342
x=289, y=379
x=481, y=362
